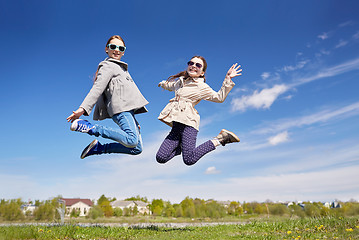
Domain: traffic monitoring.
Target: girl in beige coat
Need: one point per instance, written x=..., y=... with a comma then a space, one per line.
x=190, y=88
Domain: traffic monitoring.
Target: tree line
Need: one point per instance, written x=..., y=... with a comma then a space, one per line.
x=10, y=210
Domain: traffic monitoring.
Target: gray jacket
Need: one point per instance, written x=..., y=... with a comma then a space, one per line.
x=114, y=91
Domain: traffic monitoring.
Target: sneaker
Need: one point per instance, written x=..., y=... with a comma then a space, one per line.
x=81, y=125
x=226, y=136
x=93, y=148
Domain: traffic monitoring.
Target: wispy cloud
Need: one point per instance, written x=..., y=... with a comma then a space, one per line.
x=341, y=43
x=322, y=116
x=347, y=23
x=266, y=97
x=279, y=138
x=299, y=65
x=212, y=170
x=329, y=72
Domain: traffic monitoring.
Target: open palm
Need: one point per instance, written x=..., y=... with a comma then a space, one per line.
x=234, y=71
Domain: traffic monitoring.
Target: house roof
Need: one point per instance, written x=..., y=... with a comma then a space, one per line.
x=72, y=201
x=121, y=203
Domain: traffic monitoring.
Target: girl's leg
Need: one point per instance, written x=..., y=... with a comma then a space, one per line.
x=171, y=145
x=191, y=154
x=128, y=136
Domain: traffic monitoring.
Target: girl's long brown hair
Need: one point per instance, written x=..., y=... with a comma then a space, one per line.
x=185, y=73
x=108, y=42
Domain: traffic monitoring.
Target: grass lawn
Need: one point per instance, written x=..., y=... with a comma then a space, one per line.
x=307, y=228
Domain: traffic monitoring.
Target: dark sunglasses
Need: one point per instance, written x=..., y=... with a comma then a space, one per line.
x=114, y=46
x=190, y=63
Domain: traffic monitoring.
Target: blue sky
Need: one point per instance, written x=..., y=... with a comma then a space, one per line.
x=295, y=108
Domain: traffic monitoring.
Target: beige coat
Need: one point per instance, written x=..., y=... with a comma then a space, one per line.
x=188, y=93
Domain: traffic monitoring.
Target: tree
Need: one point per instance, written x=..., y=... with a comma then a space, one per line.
x=215, y=210
x=168, y=210
x=200, y=208
x=156, y=207
x=105, y=205
x=178, y=210
x=106, y=208
x=188, y=208
x=137, y=198
x=95, y=212
x=45, y=211
x=102, y=199
x=117, y=212
x=11, y=210
x=232, y=209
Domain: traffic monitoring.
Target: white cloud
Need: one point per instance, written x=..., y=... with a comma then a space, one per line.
x=299, y=65
x=356, y=36
x=279, y=138
x=323, y=36
x=341, y=43
x=265, y=75
x=259, y=100
x=347, y=23
x=212, y=170
x=322, y=116
x=265, y=98
x=340, y=183
x=329, y=72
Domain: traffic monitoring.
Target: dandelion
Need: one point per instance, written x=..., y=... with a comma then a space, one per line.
x=349, y=230
x=289, y=232
x=41, y=230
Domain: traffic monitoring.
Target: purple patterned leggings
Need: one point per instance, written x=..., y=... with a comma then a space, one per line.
x=182, y=138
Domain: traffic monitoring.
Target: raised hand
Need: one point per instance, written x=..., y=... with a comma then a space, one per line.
x=234, y=71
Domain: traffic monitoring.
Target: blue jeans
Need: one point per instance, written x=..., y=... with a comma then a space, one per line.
x=128, y=137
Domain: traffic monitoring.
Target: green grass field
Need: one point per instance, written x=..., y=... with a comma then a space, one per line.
x=308, y=228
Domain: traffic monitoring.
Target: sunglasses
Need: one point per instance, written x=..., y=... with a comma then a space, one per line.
x=114, y=46
x=190, y=63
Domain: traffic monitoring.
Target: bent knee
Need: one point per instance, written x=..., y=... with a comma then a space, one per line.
x=188, y=161
x=132, y=142
x=161, y=159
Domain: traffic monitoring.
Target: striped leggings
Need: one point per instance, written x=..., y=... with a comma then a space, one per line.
x=182, y=139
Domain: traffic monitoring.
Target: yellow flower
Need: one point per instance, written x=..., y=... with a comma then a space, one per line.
x=289, y=232
x=41, y=230
x=48, y=231
x=349, y=230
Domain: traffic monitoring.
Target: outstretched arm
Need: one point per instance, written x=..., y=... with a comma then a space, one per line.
x=234, y=71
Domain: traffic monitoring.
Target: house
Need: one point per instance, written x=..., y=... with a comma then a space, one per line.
x=225, y=204
x=28, y=208
x=142, y=207
x=77, y=204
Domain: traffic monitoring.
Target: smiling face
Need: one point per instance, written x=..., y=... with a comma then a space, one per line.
x=193, y=70
x=115, y=54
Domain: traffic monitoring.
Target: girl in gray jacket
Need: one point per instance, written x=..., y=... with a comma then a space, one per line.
x=116, y=96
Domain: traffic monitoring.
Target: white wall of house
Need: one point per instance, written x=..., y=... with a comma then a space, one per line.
x=84, y=208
